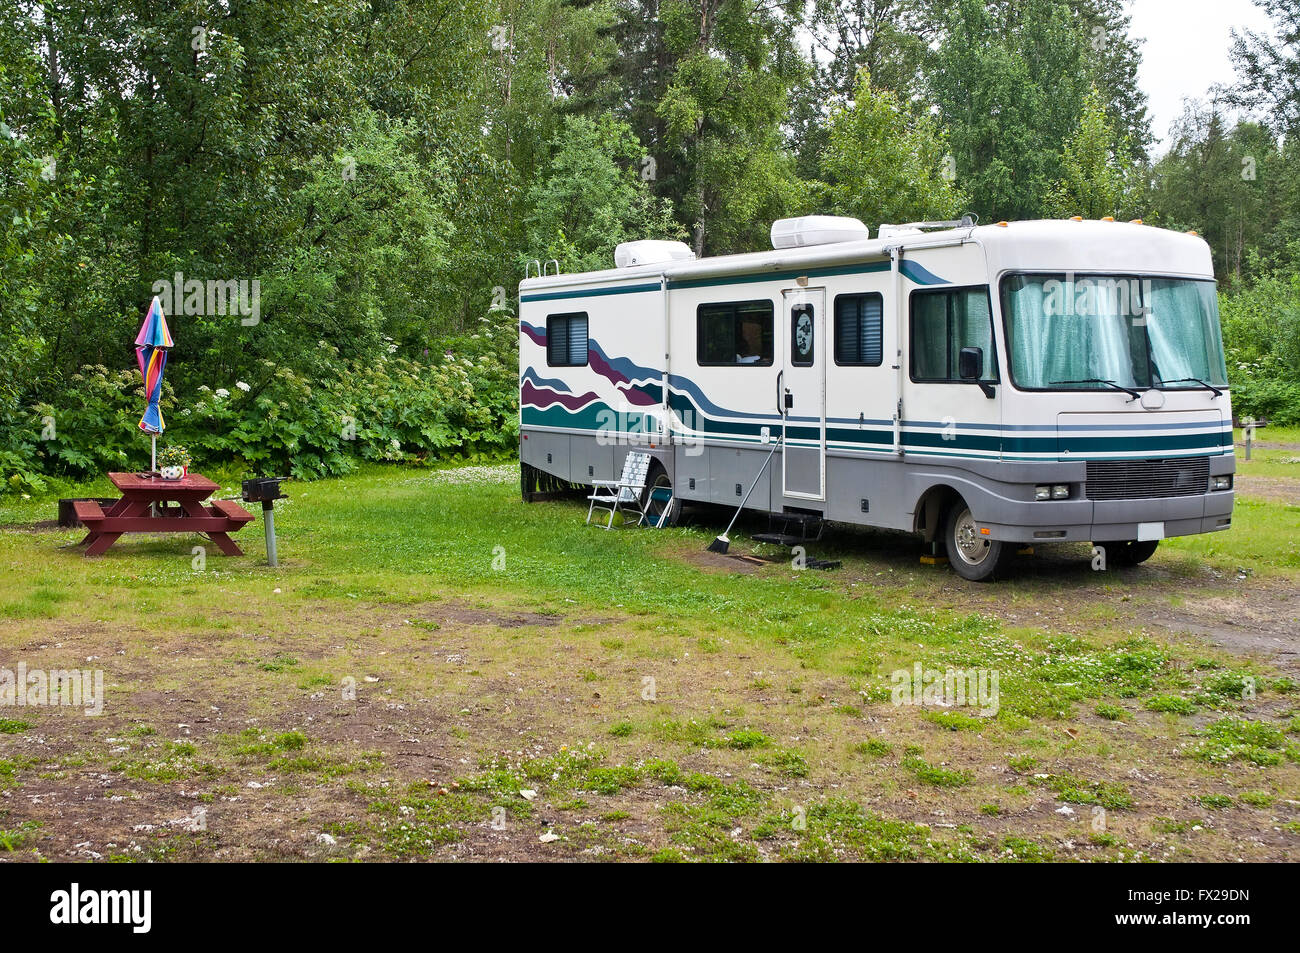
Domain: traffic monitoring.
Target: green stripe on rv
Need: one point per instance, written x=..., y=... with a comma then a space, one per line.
x=868, y=269
x=1027, y=447
x=589, y=293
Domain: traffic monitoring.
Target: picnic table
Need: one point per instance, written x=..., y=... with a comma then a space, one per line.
x=147, y=506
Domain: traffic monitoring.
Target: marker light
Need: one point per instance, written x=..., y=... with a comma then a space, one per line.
x=1108, y=218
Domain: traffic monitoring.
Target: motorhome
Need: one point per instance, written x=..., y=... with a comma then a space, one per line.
x=985, y=386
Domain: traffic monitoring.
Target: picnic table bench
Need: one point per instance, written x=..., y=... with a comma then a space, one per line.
x=147, y=506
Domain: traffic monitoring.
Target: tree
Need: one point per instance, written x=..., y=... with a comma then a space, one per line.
x=887, y=163
x=1269, y=68
x=1010, y=80
x=888, y=40
x=723, y=110
x=1226, y=183
x=590, y=197
x=1097, y=176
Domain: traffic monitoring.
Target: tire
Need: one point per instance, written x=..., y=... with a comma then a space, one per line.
x=971, y=555
x=658, y=477
x=527, y=482
x=1130, y=553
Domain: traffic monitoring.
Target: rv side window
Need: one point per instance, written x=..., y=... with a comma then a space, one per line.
x=859, y=327
x=944, y=322
x=566, y=340
x=734, y=333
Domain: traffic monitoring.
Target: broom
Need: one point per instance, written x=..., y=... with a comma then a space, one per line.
x=723, y=542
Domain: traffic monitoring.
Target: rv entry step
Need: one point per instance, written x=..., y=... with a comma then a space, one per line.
x=795, y=528
x=792, y=528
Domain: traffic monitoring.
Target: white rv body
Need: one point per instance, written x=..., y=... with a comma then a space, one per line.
x=881, y=440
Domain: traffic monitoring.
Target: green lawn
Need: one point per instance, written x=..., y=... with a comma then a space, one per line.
x=662, y=702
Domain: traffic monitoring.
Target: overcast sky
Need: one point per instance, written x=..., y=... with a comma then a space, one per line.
x=1186, y=50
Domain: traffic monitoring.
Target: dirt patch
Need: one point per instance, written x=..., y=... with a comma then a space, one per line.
x=1273, y=489
x=1253, y=620
x=731, y=562
x=1272, y=445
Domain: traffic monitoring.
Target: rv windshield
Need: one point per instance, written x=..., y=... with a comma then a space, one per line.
x=1068, y=332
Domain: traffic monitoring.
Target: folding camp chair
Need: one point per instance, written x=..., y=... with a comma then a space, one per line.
x=623, y=493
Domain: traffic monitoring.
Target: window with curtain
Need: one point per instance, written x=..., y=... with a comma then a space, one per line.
x=566, y=339
x=944, y=322
x=1182, y=324
x=859, y=329
x=1073, y=331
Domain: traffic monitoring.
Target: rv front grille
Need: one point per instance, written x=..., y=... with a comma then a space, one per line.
x=1147, y=479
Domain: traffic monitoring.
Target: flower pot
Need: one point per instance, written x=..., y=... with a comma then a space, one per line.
x=172, y=473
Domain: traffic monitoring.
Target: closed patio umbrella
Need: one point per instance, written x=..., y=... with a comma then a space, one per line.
x=151, y=353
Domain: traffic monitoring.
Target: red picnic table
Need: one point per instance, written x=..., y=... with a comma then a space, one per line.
x=143, y=496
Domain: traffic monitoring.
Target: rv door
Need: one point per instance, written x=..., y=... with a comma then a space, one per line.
x=801, y=393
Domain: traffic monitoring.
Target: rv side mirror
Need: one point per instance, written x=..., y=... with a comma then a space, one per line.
x=970, y=363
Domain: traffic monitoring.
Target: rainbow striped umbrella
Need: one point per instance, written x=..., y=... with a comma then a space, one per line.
x=151, y=354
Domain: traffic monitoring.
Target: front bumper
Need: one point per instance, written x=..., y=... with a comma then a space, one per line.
x=1112, y=520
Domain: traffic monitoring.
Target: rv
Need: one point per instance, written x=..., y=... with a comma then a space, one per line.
x=986, y=386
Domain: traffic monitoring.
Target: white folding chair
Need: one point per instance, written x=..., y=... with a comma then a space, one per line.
x=623, y=493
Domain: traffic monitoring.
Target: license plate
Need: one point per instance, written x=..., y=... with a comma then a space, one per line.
x=1148, y=531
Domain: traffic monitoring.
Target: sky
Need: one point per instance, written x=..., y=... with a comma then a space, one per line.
x=1186, y=51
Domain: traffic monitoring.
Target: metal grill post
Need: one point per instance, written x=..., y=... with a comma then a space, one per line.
x=268, y=520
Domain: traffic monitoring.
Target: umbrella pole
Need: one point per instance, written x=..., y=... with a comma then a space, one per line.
x=153, y=465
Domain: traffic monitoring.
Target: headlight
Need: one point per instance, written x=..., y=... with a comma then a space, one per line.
x=1042, y=492
x=1060, y=491
x=1221, y=482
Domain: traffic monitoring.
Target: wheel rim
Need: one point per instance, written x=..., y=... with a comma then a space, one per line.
x=969, y=545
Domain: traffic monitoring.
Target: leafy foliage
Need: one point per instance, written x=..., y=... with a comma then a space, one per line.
x=886, y=163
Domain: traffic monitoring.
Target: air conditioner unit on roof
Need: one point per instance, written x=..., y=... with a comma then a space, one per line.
x=817, y=230
x=650, y=252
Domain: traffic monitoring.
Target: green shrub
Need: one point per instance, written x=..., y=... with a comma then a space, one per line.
x=281, y=420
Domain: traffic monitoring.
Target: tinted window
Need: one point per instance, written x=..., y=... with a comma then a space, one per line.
x=859, y=329
x=734, y=333
x=944, y=322
x=566, y=340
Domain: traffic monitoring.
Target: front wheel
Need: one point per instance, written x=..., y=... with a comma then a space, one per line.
x=1130, y=553
x=970, y=553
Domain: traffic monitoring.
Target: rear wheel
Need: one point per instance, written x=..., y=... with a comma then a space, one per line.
x=1130, y=553
x=970, y=553
x=527, y=481
x=658, y=479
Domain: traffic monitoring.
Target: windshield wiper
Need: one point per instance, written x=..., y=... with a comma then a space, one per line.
x=1196, y=380
x=1133, y=395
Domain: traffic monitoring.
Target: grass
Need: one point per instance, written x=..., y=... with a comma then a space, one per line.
x=660, y=703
